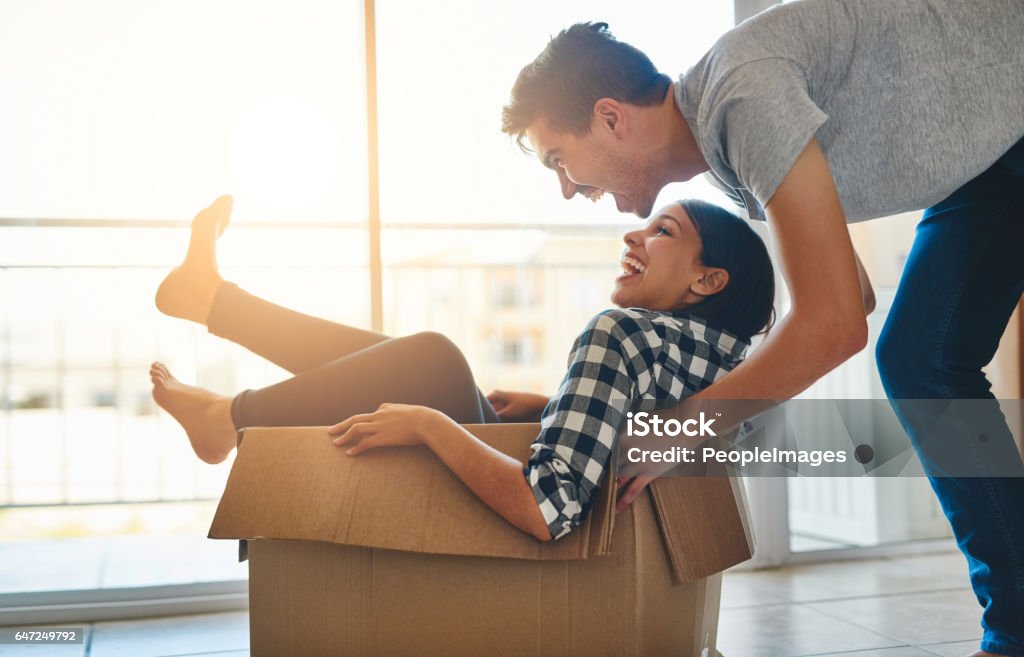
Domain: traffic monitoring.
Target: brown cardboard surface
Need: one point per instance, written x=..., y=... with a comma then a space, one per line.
x=313, y=599
x=703, y=523
x=389, y=554
x=293, y=483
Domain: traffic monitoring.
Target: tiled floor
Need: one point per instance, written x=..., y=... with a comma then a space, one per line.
x=896, y=607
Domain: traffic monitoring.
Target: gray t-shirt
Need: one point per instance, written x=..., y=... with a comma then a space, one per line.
x=909, y=99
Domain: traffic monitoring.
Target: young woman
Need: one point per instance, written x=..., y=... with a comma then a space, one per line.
x=697, y=284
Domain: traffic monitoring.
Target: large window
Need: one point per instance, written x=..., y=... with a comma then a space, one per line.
x=144, y=110
x=121, y=119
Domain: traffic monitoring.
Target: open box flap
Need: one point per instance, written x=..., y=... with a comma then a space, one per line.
x=704, y=524
x=293, y=483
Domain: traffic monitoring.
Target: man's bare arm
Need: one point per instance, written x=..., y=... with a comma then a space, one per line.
x=826, y=322
x=867, y=292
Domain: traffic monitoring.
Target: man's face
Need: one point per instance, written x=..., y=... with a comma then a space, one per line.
x=596, y=163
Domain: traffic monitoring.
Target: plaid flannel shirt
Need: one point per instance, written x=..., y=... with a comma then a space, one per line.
x=625, y=360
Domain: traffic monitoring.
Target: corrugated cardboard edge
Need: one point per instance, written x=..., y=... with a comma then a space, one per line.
x=243, y=544
x=702, y=535
x=602, y=514
x=293, y=484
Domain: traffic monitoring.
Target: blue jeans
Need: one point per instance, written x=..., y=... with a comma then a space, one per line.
x=963, y=279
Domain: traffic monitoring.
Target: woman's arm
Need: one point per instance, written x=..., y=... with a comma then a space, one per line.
x=496, y=478
x=551, y=495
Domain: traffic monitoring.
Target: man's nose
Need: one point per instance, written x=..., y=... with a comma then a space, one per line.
x=568, y=186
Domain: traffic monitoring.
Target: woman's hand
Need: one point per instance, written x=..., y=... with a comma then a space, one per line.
x=514, y=406
x=391, y=425
x=493, y=476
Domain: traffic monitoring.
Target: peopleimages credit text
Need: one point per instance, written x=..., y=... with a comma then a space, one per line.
x=644, y=424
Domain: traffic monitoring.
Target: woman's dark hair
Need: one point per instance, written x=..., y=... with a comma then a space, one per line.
x=581, y=65
x=745, y=306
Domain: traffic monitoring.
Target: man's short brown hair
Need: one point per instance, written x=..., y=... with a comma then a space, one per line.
x=581, y=65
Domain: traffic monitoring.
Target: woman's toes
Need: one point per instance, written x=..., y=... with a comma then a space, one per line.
x=223, y=204
x=217, y=213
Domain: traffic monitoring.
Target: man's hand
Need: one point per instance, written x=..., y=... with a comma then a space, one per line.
x=512, y=406
x=629, y=489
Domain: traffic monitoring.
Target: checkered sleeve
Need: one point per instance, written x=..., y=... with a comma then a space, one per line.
x=580, y=425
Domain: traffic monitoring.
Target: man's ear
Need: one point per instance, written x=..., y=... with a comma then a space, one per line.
x=610, y=115
x=711, y=281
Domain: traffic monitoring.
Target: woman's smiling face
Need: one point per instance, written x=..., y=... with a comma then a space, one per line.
x=661, y=265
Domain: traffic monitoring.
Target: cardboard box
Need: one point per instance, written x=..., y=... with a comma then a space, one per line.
x=389, y=554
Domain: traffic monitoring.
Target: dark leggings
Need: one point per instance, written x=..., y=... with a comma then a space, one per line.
x=339, y=370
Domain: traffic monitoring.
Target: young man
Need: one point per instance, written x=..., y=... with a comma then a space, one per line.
x=811, y=115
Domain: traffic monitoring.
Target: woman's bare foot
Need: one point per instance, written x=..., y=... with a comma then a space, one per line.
x=206, y=416
x=187, y=292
